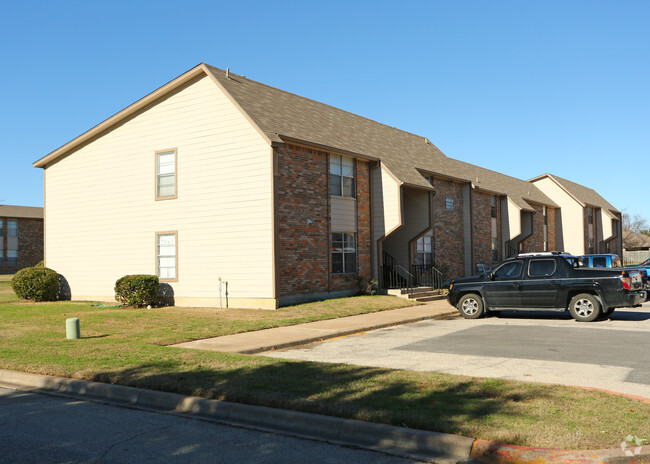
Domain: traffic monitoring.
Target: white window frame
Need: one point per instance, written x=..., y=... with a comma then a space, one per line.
x=159, y=235
x=348, y=251
x=422, y=256
x=10, y=228
x=10, y=258
x=160, y=176
x=340, y=175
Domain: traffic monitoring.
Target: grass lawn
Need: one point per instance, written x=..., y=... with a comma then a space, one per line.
x=127, y=346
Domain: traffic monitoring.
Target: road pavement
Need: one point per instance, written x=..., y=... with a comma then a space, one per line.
x=540, y=347
x=38, y=428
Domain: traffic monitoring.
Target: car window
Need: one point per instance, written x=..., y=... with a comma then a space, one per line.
x=511, y=270
x=617, y=262
x=599, y=261
x=575, y=262
x=541, y=267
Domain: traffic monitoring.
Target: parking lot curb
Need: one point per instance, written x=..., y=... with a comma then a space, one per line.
x=399, y=441
x=500, y=453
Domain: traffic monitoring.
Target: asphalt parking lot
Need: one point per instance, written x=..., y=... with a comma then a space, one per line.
x=541, y=347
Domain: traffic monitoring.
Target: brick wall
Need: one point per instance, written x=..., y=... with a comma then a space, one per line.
x=448, y=228
x=482, y=228
x=304, y=261
x=535, y=242
x=551, y=212
x=364, y=248
x=30, y=244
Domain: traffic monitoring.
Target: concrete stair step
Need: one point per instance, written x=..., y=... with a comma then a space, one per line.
x=424, y=299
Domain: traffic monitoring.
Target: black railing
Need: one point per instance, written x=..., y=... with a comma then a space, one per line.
x=396, y=277
x=427, y=275
x=512, y=251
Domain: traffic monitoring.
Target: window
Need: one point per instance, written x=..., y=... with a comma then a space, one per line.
x=342, y=176
x=590, y=215
x=424, y=250
x=344, y=253
x=166, y=175
x=599, y=261
x=541, y=267
x=494, y=228
x=511, y=270
x=2, y=231
x=166, y=256
x=493, y=206
x=12, y=257
x=12, y=228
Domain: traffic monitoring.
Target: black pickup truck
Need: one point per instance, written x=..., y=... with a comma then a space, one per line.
x=549, y=281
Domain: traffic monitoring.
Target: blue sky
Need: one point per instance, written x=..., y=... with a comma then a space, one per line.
x=520, y=87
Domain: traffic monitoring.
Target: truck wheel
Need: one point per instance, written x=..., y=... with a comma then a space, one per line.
x=470, y=306
x=584, y=307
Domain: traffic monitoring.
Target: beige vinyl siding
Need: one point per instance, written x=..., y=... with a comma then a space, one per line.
x=606, y=221
x=416, y=220
x=386, y=212
x=514, y=219
x=102, y=216
x=344, y=214
x=570, y=213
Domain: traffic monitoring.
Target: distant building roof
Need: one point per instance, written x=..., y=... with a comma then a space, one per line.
x=634, y=241
x=12, y=211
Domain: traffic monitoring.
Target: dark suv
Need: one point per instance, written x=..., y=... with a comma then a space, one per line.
x=549, y=281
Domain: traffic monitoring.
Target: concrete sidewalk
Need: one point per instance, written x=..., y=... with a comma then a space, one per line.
x=284, y=337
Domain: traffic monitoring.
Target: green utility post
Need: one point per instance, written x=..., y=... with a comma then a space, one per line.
x=72, y=331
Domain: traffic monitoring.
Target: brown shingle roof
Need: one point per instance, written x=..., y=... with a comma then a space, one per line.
x=30, y=212
x=581, y=193
x=283, y=115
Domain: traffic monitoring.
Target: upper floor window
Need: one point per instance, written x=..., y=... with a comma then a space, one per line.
x=342, y=176
x=493, y=206
x=2, y=231
x=590, y=215
x=166, y=175
x=12, y=228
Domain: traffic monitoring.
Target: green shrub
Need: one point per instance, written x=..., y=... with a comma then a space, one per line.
x=36, y=283
x=137, y=290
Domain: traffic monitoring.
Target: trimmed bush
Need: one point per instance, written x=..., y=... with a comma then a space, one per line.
x=137, y=290
x=36, y=283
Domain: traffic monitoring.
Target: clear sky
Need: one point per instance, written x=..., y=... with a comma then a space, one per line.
x=522, y=87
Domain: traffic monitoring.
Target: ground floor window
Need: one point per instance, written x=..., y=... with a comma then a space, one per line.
x=167, y=254
x=12, y=257
x=344, y=253
x=424, y=250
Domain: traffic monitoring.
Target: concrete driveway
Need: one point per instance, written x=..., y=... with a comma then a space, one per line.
x=538, y=347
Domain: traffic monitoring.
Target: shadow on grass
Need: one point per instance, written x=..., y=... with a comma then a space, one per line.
x=362, y=393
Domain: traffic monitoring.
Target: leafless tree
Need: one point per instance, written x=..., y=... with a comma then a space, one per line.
x=633, y=226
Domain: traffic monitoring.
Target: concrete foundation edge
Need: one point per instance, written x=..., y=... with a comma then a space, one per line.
x=399, y=441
